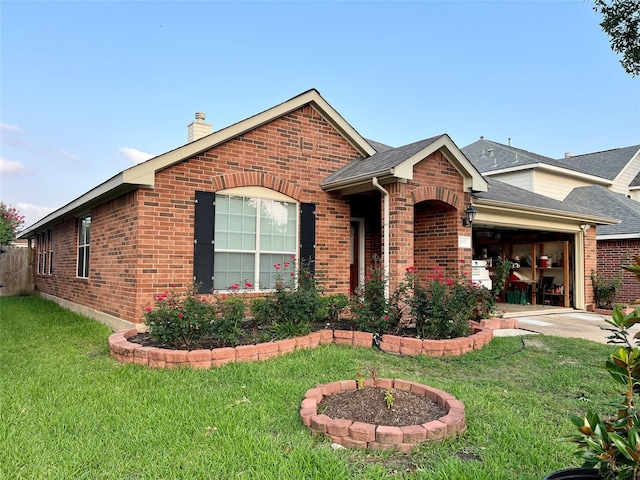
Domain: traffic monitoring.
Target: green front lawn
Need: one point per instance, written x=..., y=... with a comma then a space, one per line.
x=69, y=411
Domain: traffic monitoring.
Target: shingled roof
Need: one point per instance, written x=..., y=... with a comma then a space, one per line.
x=610, y=203
x=606, y=164
x=381, y=162
x=489, y=156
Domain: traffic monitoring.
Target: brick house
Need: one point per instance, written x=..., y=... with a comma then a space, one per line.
x=606, y=182
x=295, y=181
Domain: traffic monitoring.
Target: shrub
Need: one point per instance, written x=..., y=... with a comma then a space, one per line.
x=180, y=319
x=290, y=308
x=441, y=307
x=335, y=305
x=605, y=290
x=371, y=310
x=230, y=315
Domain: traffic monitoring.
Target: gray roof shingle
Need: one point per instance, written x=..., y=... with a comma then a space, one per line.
x=383, y=161
x=612, y=204
x=607, y=164
x=488, y=156
x=504, y=192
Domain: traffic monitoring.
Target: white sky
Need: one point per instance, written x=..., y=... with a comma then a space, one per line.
x=91, y=88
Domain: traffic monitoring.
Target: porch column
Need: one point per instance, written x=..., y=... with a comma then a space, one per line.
x=400, y=233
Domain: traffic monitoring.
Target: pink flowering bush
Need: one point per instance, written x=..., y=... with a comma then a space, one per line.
x=230, y=315
x=441, y=306
x=371, y=311
x=10, y=223
x=294, y=306
x=180, y=319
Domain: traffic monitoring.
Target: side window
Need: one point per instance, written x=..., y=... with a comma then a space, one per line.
x=50, y=235
x=84, y=228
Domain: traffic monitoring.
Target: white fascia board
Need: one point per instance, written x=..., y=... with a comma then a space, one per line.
x=622, y=236
x=472, y=178
x=509, y=209
x=573, y=173
x=76, y=205
x=544, y=166
x=528, y=166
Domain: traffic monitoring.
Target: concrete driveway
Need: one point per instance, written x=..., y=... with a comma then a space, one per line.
x=561, y=323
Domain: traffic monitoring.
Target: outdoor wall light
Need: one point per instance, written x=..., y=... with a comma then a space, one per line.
x=469, y=216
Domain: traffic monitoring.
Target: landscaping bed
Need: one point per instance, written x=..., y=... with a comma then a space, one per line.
x=123, y=349
x=362, y=416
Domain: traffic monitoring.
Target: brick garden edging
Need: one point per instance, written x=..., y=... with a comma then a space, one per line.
x=129, y=352
x=381, y=437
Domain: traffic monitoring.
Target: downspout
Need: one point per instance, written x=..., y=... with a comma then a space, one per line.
x=385, y=226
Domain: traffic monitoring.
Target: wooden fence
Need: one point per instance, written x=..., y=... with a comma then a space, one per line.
x=16, y=271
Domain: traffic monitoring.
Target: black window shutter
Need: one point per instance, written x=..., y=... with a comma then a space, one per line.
x=308, y=235
x=204, y=226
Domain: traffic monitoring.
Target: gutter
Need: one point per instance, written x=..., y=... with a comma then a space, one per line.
x=385, y=254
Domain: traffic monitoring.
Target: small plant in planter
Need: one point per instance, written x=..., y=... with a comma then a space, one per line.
x=612, y=445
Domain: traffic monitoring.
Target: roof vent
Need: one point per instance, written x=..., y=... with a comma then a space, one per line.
x=568, y=155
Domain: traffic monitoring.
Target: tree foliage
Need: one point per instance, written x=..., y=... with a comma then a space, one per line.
x=10, y=223
x=621, y=21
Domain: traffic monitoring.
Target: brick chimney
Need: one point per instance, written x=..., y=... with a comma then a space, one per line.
x=198, y=129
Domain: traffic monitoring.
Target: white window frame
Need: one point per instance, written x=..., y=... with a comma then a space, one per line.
x=260, y=194
x=83, y=246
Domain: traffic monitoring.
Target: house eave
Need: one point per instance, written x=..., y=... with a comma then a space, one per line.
x=620, y=236
x=108, y=190
x=513, y=209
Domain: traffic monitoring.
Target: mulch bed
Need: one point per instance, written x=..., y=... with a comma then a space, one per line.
x=248, y=337
x=369, y=406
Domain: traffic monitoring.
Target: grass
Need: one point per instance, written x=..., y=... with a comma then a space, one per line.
x=69, y=411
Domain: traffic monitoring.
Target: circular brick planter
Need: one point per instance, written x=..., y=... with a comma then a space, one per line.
x=129, y=352
x=381, y=437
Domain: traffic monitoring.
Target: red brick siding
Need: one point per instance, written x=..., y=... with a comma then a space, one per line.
x=111, y=286
x=437, y=190
x=611, y=255
x=142, y=243
x=590, y=262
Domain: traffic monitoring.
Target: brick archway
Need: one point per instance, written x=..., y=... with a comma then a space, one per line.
x=251, y=179
x=440, y=194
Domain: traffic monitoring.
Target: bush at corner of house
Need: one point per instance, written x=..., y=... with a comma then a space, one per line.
x=179, y=319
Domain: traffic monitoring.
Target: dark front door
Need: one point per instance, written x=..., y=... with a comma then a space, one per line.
x=355, y=257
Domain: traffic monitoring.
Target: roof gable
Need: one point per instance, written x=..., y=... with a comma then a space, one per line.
x=393, y=164
x=144, y=173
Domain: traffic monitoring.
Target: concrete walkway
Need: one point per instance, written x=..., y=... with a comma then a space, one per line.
x=560, y=322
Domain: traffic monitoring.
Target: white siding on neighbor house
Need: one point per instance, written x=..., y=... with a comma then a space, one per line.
x=521, y=179
x=552, y=184
x=626, y=176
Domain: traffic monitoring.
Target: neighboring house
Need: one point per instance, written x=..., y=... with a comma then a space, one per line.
x=606, y=182
x=617, y=244
x=293, y=182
